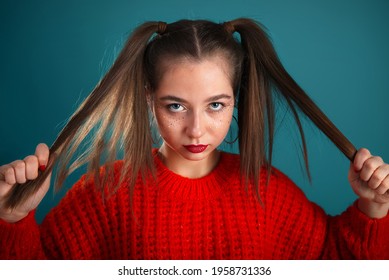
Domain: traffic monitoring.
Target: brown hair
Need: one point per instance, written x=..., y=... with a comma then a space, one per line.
x=116, y=111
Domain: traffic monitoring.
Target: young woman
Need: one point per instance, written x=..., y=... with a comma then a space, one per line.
x=186, y=199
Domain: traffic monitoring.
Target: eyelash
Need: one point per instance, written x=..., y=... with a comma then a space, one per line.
x=176, y=110
x=170, y=107
x=220, y=107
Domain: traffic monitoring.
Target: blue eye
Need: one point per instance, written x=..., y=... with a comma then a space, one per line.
x=175, y=107
x=216, y=106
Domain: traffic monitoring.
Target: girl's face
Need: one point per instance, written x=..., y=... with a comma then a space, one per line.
x=193, y=107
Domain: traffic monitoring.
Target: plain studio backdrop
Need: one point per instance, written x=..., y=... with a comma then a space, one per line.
x=53, y=53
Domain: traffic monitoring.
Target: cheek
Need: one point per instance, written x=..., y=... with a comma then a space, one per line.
x=221, y=122
x=166, y=122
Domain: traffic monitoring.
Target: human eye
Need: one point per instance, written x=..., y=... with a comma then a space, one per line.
x=175, y=107
x=216, y=106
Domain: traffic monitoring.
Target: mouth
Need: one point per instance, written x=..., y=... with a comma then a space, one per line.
x=196, y=149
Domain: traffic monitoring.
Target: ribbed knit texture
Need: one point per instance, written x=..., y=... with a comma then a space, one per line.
x=213, y=217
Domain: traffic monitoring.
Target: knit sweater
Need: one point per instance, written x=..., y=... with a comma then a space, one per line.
x=212, y=217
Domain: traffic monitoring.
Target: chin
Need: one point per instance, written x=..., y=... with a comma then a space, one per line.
x=196, y=156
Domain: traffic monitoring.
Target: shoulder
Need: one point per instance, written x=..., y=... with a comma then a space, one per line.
x=285, y=202
x=86, y=195
x=113, y=170
x=283, y=195
x=278, y=188
x=270, y=180
x=294, y=221
x=92, y=187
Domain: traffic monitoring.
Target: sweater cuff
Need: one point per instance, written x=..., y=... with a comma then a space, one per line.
x=373, y=231
x=30, y=218
x=363, y=217
x=16, y=239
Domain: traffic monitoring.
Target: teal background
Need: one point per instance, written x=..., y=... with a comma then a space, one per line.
x=52, y=53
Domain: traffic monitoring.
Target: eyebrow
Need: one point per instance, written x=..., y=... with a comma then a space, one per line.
x=181, y=100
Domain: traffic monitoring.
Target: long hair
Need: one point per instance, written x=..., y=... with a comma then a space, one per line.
x=116, y=111
x=263, y=75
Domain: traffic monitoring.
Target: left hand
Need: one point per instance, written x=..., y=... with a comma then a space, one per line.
x=369, y=178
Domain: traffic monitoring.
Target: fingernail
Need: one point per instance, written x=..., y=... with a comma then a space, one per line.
x=42, y=167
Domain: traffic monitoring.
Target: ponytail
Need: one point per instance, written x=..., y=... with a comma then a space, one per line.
x=117, y=112
x=263, y=73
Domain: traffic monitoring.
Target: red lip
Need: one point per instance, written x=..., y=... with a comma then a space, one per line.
x=196, y=149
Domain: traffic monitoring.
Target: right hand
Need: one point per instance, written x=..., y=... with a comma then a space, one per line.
x=20, y=171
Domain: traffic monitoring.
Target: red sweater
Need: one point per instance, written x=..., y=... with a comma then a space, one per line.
x=207, y=218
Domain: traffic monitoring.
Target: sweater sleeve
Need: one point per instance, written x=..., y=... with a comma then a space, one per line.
x=304, y=231
x=21, y=240
x=353, y=235
x=75, y=229
x=81, y=226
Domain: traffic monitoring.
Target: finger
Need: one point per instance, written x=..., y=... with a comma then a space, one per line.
x=19, y=167
x=384, y=186
x=361, y=156
x=42, y=153
x=2, y=171
x=369, y=167
x=352, y=174
x=378, y=176
x=32, y=165
x=8, y=174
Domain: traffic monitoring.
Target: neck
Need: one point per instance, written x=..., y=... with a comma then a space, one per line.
x=188, y=168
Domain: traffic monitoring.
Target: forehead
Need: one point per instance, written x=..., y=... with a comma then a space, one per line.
x=194, y=78
x=216, y=65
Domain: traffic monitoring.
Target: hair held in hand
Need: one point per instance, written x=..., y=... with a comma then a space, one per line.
x=116, y=112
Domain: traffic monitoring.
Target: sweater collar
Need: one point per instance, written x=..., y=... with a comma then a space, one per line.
x=211, y=186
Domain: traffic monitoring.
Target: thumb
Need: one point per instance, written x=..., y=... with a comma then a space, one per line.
x=42, y=152
x=353, y=173
x=356, y=166
x=360, y=157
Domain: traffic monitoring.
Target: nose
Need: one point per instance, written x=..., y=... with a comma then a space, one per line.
x=196, y=125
